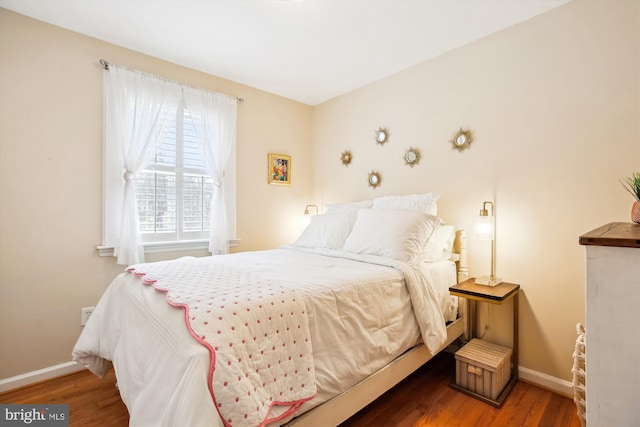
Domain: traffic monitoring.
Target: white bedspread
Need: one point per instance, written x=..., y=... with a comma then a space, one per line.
x=361, y=302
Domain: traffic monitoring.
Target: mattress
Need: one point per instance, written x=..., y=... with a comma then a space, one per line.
x=360, y=315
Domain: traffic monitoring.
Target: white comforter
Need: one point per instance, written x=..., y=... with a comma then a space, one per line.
x=356, y=300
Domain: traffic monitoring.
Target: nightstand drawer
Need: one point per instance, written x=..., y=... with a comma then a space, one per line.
x=483, y=368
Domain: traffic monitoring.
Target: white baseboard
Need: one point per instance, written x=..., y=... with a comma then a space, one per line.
x=39, y=375
x=539, y=379
x=545, y=381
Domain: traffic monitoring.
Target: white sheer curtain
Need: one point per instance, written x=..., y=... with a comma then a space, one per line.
x=138, y=106
x=217, y=131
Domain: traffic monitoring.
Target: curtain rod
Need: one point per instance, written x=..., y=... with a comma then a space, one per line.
x=105, y=65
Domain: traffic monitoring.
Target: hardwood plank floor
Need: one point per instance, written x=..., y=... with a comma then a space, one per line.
x=424, y=399
x=92, y=401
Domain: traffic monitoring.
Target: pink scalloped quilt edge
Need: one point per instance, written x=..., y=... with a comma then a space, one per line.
x=294, y=405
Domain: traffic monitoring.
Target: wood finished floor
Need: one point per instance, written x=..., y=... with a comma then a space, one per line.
x=423, y=399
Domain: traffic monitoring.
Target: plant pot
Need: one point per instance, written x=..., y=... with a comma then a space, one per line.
x=635, y=212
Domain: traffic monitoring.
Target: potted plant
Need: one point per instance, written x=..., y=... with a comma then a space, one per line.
x=632, y=185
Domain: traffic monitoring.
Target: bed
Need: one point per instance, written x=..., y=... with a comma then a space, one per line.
x=305, y=334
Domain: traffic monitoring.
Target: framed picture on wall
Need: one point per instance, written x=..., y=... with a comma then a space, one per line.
x=279, y=169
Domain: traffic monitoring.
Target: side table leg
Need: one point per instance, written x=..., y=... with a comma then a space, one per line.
x=514, y=368
x=472, y=318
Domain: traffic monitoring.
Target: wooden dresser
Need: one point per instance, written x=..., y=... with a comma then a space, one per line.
x=613, y=324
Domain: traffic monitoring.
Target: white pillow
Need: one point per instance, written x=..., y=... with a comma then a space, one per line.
x=351, y=207
x=326, y=231
x=392, y=233
x=419, y=202
x=440, y=245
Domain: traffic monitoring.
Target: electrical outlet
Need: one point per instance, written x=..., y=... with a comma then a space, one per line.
x=85, y=314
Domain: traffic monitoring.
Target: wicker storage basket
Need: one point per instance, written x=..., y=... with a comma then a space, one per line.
x=483, y=368
x=580, y=375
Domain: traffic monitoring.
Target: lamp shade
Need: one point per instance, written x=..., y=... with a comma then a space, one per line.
x=483, y=227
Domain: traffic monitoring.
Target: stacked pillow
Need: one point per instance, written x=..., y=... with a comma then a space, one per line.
x=405, y=228
x=426, y=203
x=329, y=230
x=392, y=233
x=439, y=247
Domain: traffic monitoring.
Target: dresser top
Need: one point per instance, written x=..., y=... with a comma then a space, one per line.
x=621, y=234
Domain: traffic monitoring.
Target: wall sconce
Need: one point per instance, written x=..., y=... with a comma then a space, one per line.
x=484, y=229
x=306, y=209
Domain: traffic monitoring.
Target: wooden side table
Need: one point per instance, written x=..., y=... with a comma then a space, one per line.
x=493, y=295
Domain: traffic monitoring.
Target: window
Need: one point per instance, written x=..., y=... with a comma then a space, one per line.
x=173, y=193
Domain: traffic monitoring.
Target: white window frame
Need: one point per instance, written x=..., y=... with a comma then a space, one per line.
x=179, y=171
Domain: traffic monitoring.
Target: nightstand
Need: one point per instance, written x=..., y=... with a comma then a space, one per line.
x=493, y=295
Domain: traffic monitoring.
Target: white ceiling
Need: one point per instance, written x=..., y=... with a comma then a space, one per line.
x=309, y=51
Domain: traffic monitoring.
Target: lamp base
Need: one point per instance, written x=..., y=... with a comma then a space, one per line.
x=488, y=281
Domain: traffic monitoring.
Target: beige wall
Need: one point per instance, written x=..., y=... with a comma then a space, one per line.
x=554, y=106
x=51, y=180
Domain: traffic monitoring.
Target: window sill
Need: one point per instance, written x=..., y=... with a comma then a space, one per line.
x=163, y=247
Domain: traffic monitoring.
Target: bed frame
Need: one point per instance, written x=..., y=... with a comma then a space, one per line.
x=339, y=408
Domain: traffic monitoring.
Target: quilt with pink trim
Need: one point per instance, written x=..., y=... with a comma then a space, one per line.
x=255, y=328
